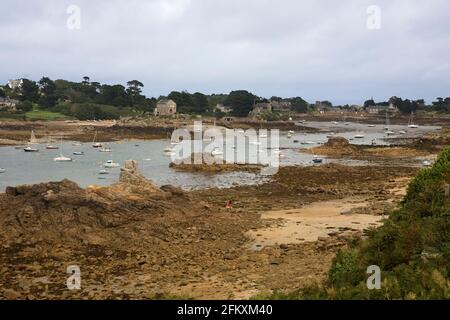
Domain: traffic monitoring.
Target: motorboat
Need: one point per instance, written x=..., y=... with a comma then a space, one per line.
x=427, y=163
x=371, y=126
x=111, y=164
x=390, y=132
x=317, y=159
x=30, y=149
x=51, y=147
x=62, y=158
x=78, y=153
x=402, y=132
x=359, y=136
x=103, y=171
x=2, y=170
x=105, y=149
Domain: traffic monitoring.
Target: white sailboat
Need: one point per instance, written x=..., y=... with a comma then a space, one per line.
x=411, y=122
x=61, y=157
x=50, y=146
x=96, y=144
x=32, y=141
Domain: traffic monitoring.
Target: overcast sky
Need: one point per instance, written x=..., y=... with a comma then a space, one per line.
x=316, y=49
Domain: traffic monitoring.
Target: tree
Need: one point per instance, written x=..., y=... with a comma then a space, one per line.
x=47, y=88
x=299, y=105
x=2, y=92
x=369, y=103
x=241, y=102
x=183, y=101
x=86, y=80
x=25, y=106
x=29, y=91
x=134, y=88
x=199, y=103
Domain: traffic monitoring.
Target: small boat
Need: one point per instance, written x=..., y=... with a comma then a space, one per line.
x=402, y=132
x=62, y=158
x=390, y=132
x=111, y=164
x=307, y=142
x=331, y=134
x=51, y=147
x=103, y=171
x=359, y=136
x=427, y=163
x=76, y=144
x=168, y=150
x=105, y=149
x=346, y=123
x=317, y=159
x=96, y=144
x=371, y=126
x=30, y=149
x=78, y=153
x=296, y=141
x=2, y=170
x=411, y=122
x=217, y=152
x=289, y=135
x=335, y=122
x=291, y=132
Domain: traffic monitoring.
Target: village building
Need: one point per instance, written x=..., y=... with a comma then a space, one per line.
x=165, y=107
x=382, y=108
x=260, y=107
x=281, y=105
x=7, y=104
x=15, y=84
x=225, y=109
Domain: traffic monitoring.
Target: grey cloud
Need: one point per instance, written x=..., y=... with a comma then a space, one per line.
x=315, y=49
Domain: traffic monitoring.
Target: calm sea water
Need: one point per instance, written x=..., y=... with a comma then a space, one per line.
x=28, y=168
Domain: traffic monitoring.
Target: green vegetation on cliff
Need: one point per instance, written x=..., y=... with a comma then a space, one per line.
x=412, y=248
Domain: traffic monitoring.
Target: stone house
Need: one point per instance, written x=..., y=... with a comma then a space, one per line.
x=281, y=105
x=165, y=107
x=7, y=104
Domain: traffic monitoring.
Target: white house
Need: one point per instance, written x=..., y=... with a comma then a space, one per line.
x=15, y=84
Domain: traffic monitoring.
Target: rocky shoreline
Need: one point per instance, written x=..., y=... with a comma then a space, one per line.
x=136, y=240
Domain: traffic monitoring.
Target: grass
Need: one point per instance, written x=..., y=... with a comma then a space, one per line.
x=37, y=114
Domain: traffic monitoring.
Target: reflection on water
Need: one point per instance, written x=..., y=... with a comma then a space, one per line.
x=28, y=168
